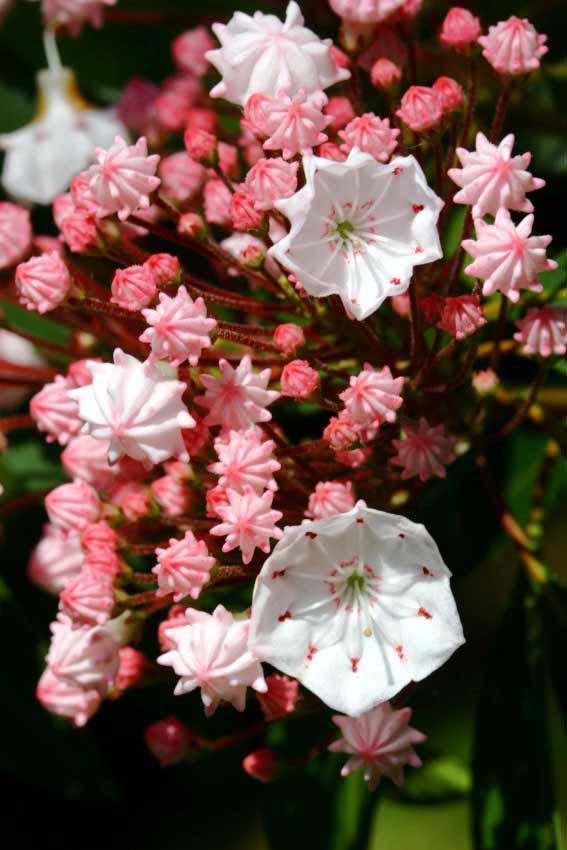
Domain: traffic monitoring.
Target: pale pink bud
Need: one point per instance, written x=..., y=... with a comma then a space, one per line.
x=371, y=135
x=55, y=412
x=189, y=50
x=385, y=74
x=271, y=180
x=124, y=177
x=183, y=568
x=330, y=498
x=200, y=118
x=89, y=597
x=330, y=150
x=261, y=764
x=133, y=287
x=543, y=331
x=56, y=559
x=340, y=110
x=79, y=230
x=181, y=177
x=298, y=379
x=192, y=225
x=171, y=495
x=460, y=29
x=214, y=497
x=168, y=740
x=450, y=92
x=513, y=46
x=421, y=108
x=164, y=269
x=102, y=560
x=217, y=198
x=280, y=698
x=15, y=233
x=87, y=459
x=98, y=535
x=200, y=145
x=288, y=337
x=59, y=697
x=228, y=159
x=133, y=499
x=71, y=507
x=341, y=432
x=43, y=282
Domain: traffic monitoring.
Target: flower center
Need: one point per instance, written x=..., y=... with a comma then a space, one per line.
x=344, y=229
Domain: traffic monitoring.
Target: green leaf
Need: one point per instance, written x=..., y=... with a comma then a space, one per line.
x=525, y=452
x=439, y=779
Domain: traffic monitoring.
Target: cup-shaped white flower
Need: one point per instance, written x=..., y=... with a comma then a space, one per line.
x=43, y=157
x=358, y=228
x=355, y=606
x=136, y=407
x=260, y=54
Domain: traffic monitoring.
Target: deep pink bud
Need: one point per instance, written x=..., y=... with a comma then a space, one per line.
x=385, y=74
x=280, y=698
x=460, y=29
x=200, y=145
x=288, y=337
x=243, y=210
x=43, y=282
x=133, y=287
x=164, y=269
x=98, y=535
x=261, y=764
x=168, y=740
x=450, y=92
x=421, y=108
x=341, y=112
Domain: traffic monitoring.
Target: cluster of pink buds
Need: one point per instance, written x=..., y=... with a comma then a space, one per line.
x=227, y=293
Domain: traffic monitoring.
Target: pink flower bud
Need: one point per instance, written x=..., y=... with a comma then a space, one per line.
x=87, y=459
x=71, y=507
x=245, y=216
x=421, y=108
x=181, y=177
x=450, y=92
x=79, y=230
x=280, y=698
x=59, y=697
x=133, y=287
x=171, y=495
x=164, y=269
x=98, y=535
x=461, y=316
x=341, y=432
x=56, y=559
x=431, y=307
x=330, y=498
x=132, y=667
x=385, y=74
x=15, y=233
x=460, y=29
x=135, y=107
x=192, y=225
x=330, y=150
x=372, y=135
x=199, y=118
x=298, y=379
x=200, y=145
x=217, y=199
x=340, y=110
x=513, y=47
x=168, y=740
x=261, y=764
x=215, y=497
x=228, y=159
x=189, y=50
x=288, y=337
x=133, y=499
x=103, y=560
x=43, y=282
x=176, y=617
x=55, y=412
x=89, y=597
x=485, y=381
x=271, y=180
x=79, y=372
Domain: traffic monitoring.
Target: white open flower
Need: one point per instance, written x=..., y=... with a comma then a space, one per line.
x=43, y=157
x=260, y=54
x=355, y=606
x=358, y=228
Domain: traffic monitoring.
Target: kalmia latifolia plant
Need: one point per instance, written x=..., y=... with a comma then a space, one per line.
x=290, y=275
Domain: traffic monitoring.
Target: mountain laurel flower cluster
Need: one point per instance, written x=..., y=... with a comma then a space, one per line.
x=272, y=341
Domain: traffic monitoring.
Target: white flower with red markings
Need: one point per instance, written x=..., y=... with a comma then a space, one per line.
x=358, y=229
x=355, y=607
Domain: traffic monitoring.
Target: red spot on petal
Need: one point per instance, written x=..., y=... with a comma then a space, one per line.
x=278, y=574
x=423, y=613
x=417, y=208
x=397, y=170
x=426, y=571
x=418, y=249
x=285, y=616
x=311, y=652
x=403, y=537
x=311, y=534
x=395, y=281
x=400, y=652
x=359, y=520
x=354, y=664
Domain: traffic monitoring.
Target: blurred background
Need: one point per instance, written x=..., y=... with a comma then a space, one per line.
x=494, y=775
